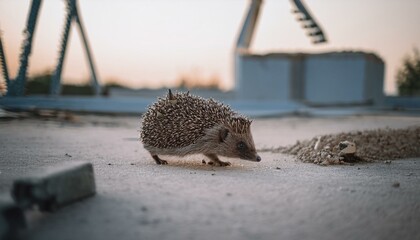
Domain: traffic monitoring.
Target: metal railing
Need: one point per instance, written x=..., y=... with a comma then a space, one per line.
x=16, y=87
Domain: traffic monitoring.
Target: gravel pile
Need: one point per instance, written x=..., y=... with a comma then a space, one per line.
x=371, y=145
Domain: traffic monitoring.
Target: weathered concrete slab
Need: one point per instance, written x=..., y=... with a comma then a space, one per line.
x=277, y=198
x=55, y=187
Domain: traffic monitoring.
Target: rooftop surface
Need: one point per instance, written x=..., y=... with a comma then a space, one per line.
x=278, y=198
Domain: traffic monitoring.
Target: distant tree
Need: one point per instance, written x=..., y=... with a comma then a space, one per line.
x=196, y=80
x=40, y=84
x=408, y=76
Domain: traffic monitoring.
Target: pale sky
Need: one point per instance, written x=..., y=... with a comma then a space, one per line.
x=151, y=43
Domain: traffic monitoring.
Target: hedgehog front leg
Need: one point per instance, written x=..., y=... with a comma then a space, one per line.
x=216, y=161
x=158, y=160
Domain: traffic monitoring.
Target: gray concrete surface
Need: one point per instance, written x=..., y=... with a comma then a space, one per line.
x=278, y=198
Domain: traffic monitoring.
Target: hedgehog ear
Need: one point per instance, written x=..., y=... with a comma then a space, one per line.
x=223, y=133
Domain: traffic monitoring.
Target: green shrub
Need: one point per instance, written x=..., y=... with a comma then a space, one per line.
x=408, y=76
x=40, y=84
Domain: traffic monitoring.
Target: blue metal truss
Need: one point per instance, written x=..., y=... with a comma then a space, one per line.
x=16, y=87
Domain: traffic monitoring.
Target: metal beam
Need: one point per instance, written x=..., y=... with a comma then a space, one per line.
x=248, y=27
x=95, y=84
x=73, y=14
x=3, y=62
x=17, y=87
x=55, y=88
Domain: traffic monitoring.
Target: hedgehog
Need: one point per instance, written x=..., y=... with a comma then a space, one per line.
x=181, y=124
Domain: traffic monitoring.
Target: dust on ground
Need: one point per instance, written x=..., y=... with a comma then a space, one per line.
x=371, y=145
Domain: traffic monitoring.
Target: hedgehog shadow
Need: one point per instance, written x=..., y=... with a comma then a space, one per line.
x=201, y=166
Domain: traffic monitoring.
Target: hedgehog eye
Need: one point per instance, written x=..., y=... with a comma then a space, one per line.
x=241, y=145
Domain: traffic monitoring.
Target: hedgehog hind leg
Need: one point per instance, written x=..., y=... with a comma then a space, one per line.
x=158, y=160
x=216, y=161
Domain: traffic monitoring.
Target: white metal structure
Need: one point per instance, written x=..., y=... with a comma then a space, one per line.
x=321, y=79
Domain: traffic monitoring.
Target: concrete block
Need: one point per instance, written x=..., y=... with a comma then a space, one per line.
x=12, y=219
x=329, y=78
x=263, y=77
x=56, y=187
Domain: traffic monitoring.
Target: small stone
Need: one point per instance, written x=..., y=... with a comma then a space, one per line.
x=278, y=168
x=317, y=144
x=213, y=174
x=388, y=161
x=67, y=155
x=109, y=164
x=324, y=163
x=396, y=184
x=347, y=147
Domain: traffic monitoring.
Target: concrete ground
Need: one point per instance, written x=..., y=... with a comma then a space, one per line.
x=278, y=198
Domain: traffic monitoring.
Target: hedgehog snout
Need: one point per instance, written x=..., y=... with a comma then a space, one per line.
x=258, y=159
